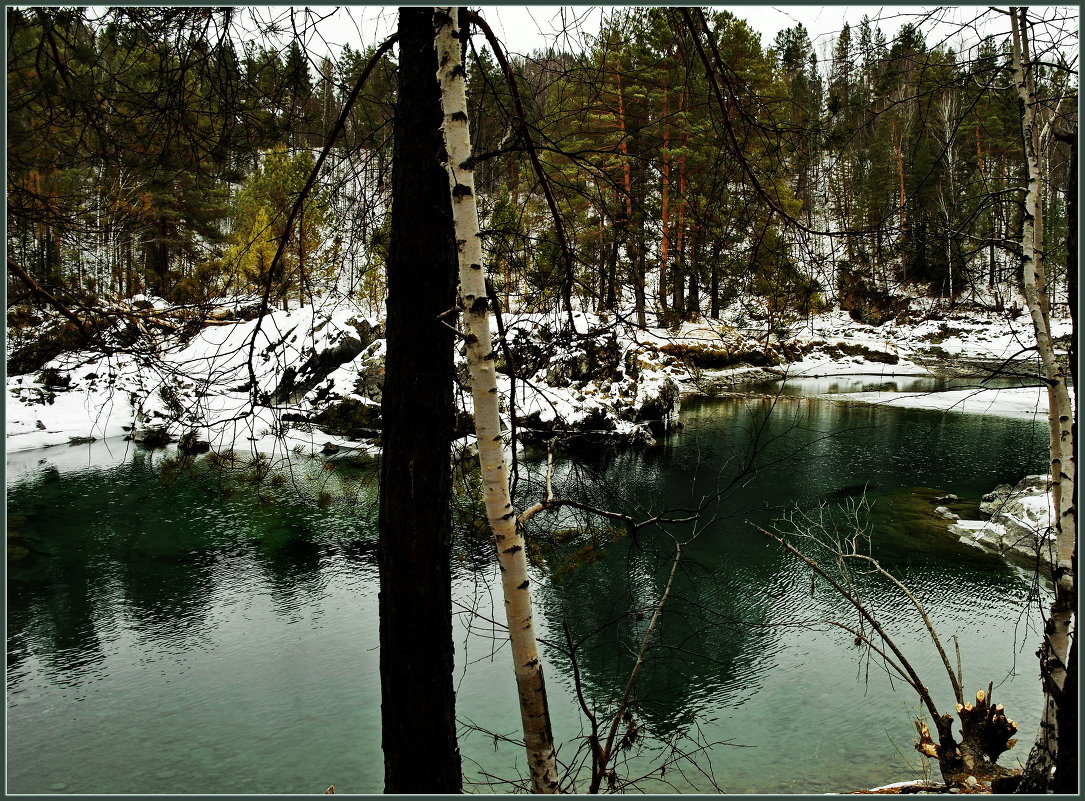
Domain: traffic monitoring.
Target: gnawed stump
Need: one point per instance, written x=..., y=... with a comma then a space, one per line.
x=986, y=733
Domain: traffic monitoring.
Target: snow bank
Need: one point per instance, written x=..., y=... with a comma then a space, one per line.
x=315, y=376
x=593, y=378
x=1022, y=402
x=1022, y=521
x=208, y=384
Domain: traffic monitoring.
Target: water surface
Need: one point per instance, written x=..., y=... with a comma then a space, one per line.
x=177, y=633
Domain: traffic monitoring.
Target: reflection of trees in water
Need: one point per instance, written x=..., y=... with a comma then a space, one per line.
x=291, y=561
x=166, y=597
x=734, y=598
x=706, y=649
x=606, y=584
x=810, y=447
x=51, y=615
x=122, y=548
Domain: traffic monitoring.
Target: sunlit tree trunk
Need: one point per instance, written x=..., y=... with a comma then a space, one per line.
x=418, y=715
x=636, y=259
x=679, y=278
x=665, y=192
x=1054, y=653
x=502, y=517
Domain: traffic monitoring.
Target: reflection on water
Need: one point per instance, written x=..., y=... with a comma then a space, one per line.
x=166, y=637
x=885, y=382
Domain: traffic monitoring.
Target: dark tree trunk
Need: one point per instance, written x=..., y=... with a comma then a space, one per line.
x=678, y=281
x=620, y=239
x=418, y=720
x=714, y=260
x=639, y=280
x=693, y=302
x=156, y=255
x=714, y=290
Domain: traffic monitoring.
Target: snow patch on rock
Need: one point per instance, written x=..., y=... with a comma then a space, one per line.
x=1021, y=521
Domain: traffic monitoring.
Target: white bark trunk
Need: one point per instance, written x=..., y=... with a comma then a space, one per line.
x=1057, y=632
x=480, y=358
x=1035, y=290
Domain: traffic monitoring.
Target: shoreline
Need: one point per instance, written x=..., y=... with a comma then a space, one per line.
x=323, y=387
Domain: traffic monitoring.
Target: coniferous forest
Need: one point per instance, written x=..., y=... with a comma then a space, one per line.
x=152, y=150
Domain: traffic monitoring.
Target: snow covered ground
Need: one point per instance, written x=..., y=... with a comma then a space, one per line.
x=834, y=345
x=306, y=361
x=308, y=382
x=207, y=385
x=1021, y=402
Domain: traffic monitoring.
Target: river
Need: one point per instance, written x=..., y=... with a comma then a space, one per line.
x=172, y=632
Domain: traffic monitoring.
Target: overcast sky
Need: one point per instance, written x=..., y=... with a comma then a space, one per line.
x=526, y=28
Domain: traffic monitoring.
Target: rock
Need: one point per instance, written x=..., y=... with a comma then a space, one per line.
x=591, y=386
x=642, y=435
x=297, y=381
x=659, y=406
x=329, y=448
x=1020, y=520
x=152, y=437
x=947, y=498
x=190, y=442
x=1001, y=498
x=942, y=511
x=350, y=418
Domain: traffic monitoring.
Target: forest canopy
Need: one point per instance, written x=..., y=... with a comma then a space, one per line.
x=159, y=151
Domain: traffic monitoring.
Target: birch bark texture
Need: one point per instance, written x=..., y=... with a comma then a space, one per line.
x=1061, y=409
x=1054, y=653
x=507, y=534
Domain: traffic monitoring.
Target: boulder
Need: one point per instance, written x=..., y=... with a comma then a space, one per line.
x=350, y=417
x=1007, y=500
x=152, y=437
x=296, y=381
x=658, y=404
x=1020, y=520
x=993, y=500
x=190, y=442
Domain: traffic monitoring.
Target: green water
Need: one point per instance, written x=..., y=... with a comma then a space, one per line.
x=165, y=637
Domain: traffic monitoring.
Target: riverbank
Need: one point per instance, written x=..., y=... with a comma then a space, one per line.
x=309, y=379
x=192, y=591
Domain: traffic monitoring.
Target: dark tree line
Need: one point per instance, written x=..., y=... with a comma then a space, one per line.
x=150, y=150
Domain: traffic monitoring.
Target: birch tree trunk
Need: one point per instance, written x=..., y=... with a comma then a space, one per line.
x=1054, y=653
x=480, y=358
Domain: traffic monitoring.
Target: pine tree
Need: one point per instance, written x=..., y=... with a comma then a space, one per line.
x=418, y=717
